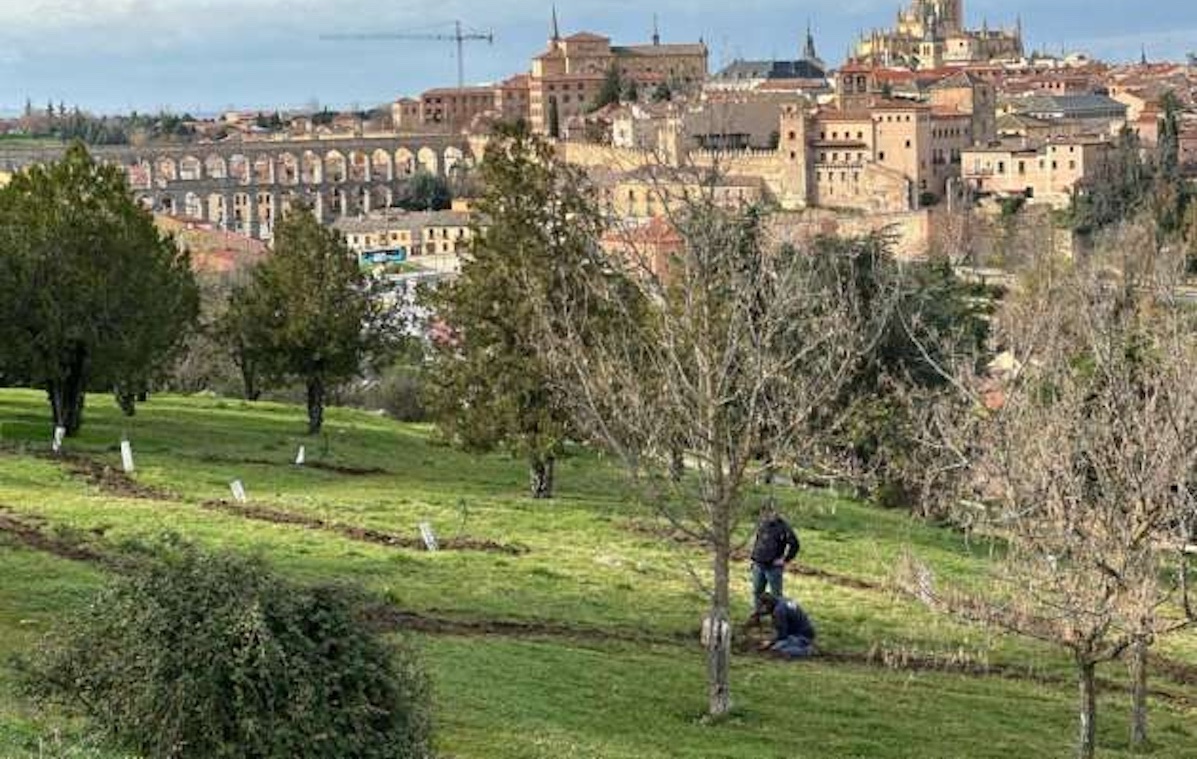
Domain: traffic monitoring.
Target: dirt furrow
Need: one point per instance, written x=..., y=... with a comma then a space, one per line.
x=262, y=513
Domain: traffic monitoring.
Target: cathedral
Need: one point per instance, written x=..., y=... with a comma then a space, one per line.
x=931, y=34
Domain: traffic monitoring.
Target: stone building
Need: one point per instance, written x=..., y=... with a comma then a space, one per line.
x=932, y=33
x=1042, y=172
x=569, y=75
x=432, y=239
x=808, y=71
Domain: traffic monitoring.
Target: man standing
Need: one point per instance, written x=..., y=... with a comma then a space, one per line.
x=776, y=546
x=794, y=635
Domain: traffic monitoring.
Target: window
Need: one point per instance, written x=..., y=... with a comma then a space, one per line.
x=881, y=156
x=793, y=135
x=908, y=143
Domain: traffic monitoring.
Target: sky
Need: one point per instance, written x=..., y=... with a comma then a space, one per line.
x=205, y=56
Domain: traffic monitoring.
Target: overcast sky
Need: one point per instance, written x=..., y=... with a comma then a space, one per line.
x=206, y=55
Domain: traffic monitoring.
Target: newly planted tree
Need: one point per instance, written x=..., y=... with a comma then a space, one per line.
x=92, y=295
x=723, y=354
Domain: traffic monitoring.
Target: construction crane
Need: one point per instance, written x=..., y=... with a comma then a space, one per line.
x=460, y=35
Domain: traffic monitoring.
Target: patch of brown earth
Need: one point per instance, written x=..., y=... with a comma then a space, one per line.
x=109, y=480
x=30, y=532
x=263, y=513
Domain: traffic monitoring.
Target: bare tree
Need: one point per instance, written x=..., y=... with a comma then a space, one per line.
x=1085, y=467
x=719, y=347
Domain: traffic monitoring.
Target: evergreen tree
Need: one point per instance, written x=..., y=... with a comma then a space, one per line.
x=425, y=192
x=92, y=296
x=611, y=90
x=309, y=313
x=631, y=91
x=490, y=389
x=554, y=119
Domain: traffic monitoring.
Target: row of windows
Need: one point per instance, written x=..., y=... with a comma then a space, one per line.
x=456, y=233
x=835, y=157
x=1022, y=166
x=831, y=175
x=836, y=135
x=953, y=132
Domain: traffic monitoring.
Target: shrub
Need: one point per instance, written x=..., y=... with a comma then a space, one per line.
x=203, y=655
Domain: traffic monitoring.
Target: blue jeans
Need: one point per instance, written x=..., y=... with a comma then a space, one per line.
x=793, y=647
x=774, y=577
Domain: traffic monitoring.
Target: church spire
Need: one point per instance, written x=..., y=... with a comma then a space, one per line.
x=808, y=51
x=656, y=31
x=556, y=29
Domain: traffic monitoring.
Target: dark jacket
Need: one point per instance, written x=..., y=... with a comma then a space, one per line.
x=789, y=619
x=774, y=540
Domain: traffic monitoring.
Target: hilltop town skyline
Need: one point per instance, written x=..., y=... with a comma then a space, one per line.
x=207, y=56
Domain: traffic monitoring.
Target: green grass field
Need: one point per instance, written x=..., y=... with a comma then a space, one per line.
x=573, y=634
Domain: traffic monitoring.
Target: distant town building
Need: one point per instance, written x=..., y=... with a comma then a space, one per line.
x=807, y=71
x=1091, y=114
x=569, y=75
x=930, y=34
x=1048, y=172
x=432, y=239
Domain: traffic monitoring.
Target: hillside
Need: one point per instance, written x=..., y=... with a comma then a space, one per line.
x=561, y=629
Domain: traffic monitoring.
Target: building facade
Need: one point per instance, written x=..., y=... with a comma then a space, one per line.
x=932, y=33
x=568, y=76
x=1049, y=172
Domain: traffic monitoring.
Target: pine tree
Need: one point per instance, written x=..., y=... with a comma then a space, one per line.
x=490, y=389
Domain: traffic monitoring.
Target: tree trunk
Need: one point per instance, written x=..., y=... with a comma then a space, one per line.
x=542, y=471
x=719, y=640
x=1138, y=671
x=127, y=401
x=67, y=396
x=1087, y=740
x=677, y=463
x=315, y=405
x=249, y=378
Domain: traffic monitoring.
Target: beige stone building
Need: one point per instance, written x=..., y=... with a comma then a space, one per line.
x=929, y=34
x=432, y=239
x=1043, y=172
x=569, y=74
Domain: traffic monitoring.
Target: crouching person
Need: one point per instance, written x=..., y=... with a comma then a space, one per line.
x=794, y=635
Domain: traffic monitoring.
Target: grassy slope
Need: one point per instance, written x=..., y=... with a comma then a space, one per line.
x=508, y=697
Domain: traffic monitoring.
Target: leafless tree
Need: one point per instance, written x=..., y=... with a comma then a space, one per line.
x=719, y=348
x=1083, y=460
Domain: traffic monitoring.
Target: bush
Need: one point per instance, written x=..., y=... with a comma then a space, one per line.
x=201, y=655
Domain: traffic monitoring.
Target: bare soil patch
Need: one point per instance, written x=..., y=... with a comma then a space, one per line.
x=263, y=513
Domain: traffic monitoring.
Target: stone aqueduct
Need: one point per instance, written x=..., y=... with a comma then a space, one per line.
x=245, y=186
